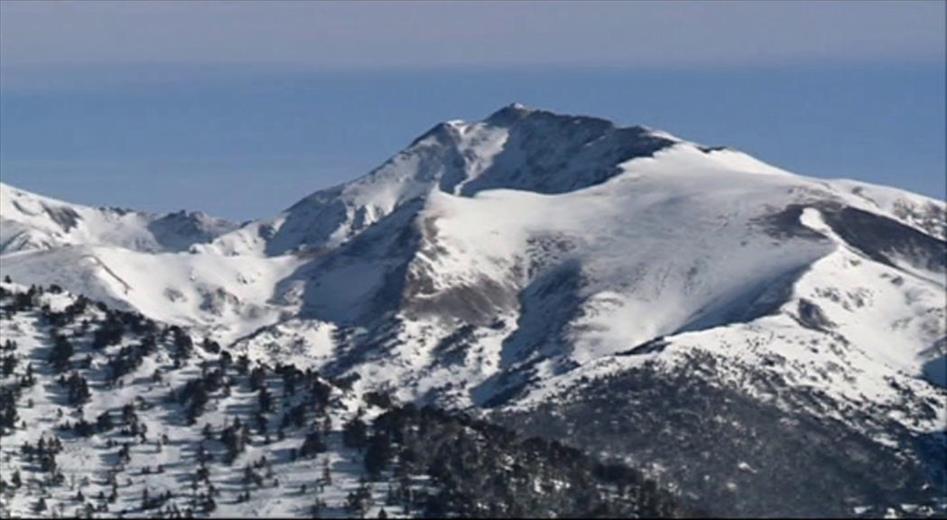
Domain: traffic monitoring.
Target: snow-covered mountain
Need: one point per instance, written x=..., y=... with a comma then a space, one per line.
x=31, y=222
x=133, y=260
x=519, y=265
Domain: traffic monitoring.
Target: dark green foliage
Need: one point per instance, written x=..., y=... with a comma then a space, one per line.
x=312, y=445
x=194, y=396
x=379, y=399
x=210, y=346
x=8, y=364
x=265, y=400
x=234, y=438
x=109, y=333
x=77, y=388
x=483, y=470
x=257, y=378
x=355, y=433
x=764, y=460
x=128, y=359
x=378, y=455
x=183, y=344
x=103, y=422
x=8, y=411
x=62, y=351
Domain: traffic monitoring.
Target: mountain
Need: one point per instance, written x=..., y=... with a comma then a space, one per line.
x=32, y=222
x=633, y=293
x=131, y=260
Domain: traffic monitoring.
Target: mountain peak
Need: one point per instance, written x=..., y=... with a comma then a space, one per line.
x=510, y=113
x=561, y=271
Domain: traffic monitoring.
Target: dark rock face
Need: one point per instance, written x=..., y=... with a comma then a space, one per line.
x=880, y=238
x=785, y=224
x=811, y=316
x=711, y=149
x=886, y=240
x=544, y=153
x=730, y=454
x=544, y=150
x=476, y=303
x=67, y=218
x=930, y=217
x=178, y=231
x=648, y=347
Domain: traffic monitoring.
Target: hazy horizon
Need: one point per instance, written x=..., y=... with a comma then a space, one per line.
x=241, y=109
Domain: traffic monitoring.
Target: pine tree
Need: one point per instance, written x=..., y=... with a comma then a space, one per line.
x=378, y=454
x=62, y=351
x=355, y=433
x=326, y=473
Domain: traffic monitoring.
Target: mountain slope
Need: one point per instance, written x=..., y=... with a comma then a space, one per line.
x=31, y=222
x=525, y=265
x=110, y=414
x=135, y=261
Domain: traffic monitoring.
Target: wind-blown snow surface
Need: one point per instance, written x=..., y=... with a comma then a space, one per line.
x=34, y=222
x=505, y=262
x=138, y=261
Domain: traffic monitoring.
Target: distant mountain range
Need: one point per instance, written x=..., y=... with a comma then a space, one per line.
x=759, y=342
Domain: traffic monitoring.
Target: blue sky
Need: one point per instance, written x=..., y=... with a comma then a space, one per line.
x=240, y=109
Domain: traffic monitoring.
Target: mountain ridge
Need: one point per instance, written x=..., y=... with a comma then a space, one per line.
x=36, y=222
x=531, y=258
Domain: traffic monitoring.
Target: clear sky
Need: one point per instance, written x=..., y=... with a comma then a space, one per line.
x=241, y=108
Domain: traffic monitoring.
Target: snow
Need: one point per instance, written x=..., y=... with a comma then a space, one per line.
x=86, y=462
x=644, y=275
x=34, y=222
x=228, y=296
x=526, y=244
